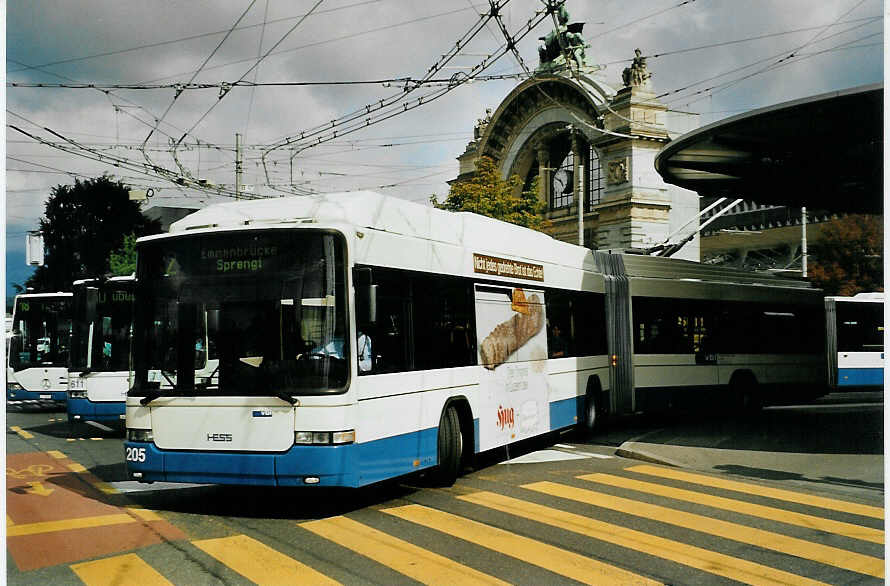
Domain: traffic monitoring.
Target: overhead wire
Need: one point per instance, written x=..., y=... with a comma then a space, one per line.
x=179, y=40
x=194, y=75
x=224, y=91
x=782, y=57
x=257, y=72
x=325, y=42
x=390, y=107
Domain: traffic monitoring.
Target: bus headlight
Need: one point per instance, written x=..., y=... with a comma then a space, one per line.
x=324, y=438
x=343, y=437
x=139, y=435
x=14, y=387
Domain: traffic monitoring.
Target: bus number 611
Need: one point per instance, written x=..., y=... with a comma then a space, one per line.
x=135, y=454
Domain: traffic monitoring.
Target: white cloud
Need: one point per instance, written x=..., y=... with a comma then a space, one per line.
x=49, y=31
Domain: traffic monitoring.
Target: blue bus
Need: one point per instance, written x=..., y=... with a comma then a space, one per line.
x=856, y=341
x=98, y=372
x=358, y=337
x=37, y=357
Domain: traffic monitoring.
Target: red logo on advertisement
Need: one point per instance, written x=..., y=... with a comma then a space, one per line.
x=505, y=417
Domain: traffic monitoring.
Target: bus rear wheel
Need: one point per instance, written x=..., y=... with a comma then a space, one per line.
x=450, y=448
x=746, y=392
x=592, y=418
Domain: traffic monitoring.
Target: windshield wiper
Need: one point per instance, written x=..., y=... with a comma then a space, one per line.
x=154, y=394
x=149, y=397
x=284, y=396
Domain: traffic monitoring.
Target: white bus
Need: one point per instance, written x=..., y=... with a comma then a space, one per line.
x=856, y=341
x=37, y=357
x=98, y=372
x=361, y=337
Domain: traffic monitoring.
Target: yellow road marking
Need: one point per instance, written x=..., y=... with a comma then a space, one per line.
x=559, y=561
x=260, y=563
x=422, y=565
x=38, y=489
x=119, y=571
x=681, y=553
x=742, y=507
x=817, y=552
x=57, y=454
x=104, y=487
x=96, y=483
x=66, y=524
x=144, y=514
x=773, y=493
x=9, y=521
x=22, y=432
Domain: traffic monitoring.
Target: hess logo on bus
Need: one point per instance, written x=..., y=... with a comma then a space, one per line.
x=219, y=437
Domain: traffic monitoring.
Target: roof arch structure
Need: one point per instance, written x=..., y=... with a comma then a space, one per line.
x=535, y=112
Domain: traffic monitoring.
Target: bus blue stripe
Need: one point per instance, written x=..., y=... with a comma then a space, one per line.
x=849, y=377
x=95, y=411
x=23, y=395
x=564, y=413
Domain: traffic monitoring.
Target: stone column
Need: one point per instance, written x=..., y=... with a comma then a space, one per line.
x=544, y=172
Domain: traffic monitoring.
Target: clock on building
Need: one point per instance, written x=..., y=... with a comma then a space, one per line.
x=562, y=181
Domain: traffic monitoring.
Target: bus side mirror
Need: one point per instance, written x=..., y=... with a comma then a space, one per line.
x=365, y=296
x=366, y=304
x=92, y=301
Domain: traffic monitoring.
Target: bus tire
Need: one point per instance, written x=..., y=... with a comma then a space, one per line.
x=450, y=448
x=744, y=389
x=592, y=417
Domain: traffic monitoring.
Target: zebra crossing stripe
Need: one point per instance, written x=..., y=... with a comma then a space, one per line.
x=801, y=548
x=689, y=555
x=766, y=491
x=417, y=563
x=559, y=561
x=122, y=569
x=742, y=507
x=24, y=434
x=260, y=563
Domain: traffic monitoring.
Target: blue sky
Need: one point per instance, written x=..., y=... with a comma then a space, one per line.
x=714, y=57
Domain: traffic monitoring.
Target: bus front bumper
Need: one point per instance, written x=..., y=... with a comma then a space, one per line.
x=20, y=394
x=299, y=466
x=86, y=410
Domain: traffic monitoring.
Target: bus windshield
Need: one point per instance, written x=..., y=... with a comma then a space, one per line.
x=260, y=312
x=100, y=332
x=41, y=328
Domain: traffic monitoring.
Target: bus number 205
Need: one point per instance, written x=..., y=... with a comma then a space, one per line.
x=135, y=454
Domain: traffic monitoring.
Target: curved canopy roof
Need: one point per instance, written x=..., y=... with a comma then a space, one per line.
x=824, y=152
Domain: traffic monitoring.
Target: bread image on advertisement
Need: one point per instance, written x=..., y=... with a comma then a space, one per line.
x=511, y=335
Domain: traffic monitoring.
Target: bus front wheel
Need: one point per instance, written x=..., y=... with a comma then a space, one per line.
x=450, y=447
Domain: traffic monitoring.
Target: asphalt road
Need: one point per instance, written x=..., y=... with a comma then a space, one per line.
x=794, y=494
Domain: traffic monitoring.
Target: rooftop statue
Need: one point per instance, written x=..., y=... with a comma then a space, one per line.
x=564, y=43
x=637, y=75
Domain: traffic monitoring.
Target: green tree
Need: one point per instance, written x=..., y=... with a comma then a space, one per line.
x=122, y=261
x=82, y=224
x=849, y=256
x=487, y=194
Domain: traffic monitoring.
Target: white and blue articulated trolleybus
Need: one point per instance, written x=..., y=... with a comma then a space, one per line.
x=98, y=372
x=359, y=337
x=856, y=341
x=37, y=354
